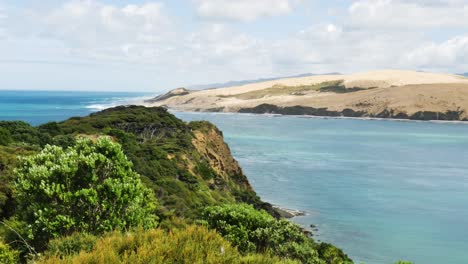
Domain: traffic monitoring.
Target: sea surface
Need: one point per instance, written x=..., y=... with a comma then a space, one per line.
x=380, y=190
x=38, y=107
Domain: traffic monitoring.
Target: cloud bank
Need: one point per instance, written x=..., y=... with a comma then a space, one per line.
x=225, y=40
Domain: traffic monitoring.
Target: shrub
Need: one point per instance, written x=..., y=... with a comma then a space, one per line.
x=257, y=231
x=241, y=224
x=89, y=187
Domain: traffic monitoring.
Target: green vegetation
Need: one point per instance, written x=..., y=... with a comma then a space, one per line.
x=8, y=255
x=257, y=231
x=280, y=90
x=92, y=190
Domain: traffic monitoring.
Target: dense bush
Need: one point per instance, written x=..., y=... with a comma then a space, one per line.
x=257, y=231
x=22, y=132
x=89, y=187
x=193, y=244
x=5, y=137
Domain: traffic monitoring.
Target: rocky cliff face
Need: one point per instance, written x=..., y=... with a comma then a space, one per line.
x=209, y=142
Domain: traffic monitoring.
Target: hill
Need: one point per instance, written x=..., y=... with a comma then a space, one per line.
x=383, y=94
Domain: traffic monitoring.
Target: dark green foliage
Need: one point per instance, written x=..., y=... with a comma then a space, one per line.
x=89, y=187
x=8, y=161
x=52, y=128
x=340, y=88
x=22, y=132
x=5, y=137
x=257, y=231
x=205, y=170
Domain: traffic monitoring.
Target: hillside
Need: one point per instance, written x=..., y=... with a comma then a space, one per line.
x=385, y=94
x=136, y=177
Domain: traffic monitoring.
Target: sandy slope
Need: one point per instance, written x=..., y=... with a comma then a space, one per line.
x=400, y=91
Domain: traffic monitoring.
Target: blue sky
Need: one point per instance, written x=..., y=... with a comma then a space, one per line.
x=157, y=45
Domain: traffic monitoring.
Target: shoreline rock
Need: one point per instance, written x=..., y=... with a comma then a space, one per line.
x=288, y=213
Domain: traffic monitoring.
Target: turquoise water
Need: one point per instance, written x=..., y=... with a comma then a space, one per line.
x=381, y=190
x=38, y=107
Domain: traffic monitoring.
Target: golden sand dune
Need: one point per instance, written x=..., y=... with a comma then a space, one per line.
x=388, y=93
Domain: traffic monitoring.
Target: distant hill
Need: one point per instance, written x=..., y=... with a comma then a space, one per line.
x=383, y=94
x=243, y=82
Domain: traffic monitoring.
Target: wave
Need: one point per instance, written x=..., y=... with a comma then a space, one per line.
x=117, y=101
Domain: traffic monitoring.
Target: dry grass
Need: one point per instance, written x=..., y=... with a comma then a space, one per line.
x=193, y=244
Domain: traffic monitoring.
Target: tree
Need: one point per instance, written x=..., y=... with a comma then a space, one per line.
x=89, y=187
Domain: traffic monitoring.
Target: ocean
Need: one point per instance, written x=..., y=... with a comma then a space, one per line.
x=38, y=107
x=380, y=190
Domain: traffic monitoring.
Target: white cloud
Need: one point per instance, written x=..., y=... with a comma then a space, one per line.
x=218, y=48
x=449, y=54
x=409, y=14
x=242, y=10
x=102, y=30
x=3, y=17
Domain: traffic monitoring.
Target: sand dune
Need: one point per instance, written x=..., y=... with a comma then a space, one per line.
x=401, y=93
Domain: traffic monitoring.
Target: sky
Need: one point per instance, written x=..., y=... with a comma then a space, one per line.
x=156, y=45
